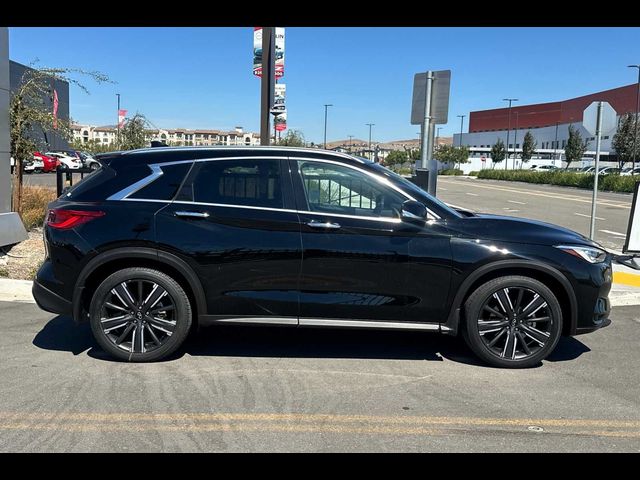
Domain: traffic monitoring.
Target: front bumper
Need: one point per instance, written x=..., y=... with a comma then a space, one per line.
x=49, y=301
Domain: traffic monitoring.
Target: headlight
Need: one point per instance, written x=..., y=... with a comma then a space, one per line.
x=590, y=254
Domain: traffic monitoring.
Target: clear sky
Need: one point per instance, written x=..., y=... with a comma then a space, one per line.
x=194, y=77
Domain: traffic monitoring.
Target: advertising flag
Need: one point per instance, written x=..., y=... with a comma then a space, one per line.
x=121, y=115
x=257, y=52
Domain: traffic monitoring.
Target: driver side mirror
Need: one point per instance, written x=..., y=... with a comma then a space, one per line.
x=412, y=210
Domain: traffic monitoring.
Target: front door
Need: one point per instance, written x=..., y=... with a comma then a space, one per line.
x=361, y=261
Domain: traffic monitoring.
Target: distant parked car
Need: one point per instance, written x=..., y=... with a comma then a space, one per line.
x=627, y=171
x=543, y=168
x=49, y=164
x=33, y=165
x=67, y=162
x=88, y=161
x=608, y=171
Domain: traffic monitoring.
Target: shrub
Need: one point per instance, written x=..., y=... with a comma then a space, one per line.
x=613, y=183
x=450, y=171
x=474, y=173
x=4, y=272
x=34, y=204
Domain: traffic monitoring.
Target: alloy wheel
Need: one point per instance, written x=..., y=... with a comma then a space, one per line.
x=515, y=323
x=138, y=316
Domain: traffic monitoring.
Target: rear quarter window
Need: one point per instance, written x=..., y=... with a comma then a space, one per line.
x=166, y=185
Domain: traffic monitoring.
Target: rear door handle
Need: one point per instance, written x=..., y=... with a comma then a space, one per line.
x=323, y=225
x=183, y=213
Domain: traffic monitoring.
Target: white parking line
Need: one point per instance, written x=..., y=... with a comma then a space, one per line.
x=515, y=201
x=444, y=189
x=510, y=210
x=473, y=194
x=588, y=216
x=613, y=233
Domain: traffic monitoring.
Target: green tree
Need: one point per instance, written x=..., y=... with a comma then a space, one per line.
x=29, y=110
x=575, y=148
x=396, y=158
x=93, y=146
x=623, y=140
x=134, y=132
x=528, y=147
x=498, y=152
x=293, y=138
x=452, y=155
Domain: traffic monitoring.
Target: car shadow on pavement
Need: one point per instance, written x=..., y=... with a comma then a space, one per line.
x=62, y=334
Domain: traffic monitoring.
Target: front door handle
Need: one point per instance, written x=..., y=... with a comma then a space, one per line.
x=323, y=225
x=182, y=213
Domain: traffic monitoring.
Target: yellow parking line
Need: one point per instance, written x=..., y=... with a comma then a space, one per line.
x=626, y=279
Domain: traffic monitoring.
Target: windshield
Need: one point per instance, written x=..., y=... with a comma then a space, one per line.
x=441, y=208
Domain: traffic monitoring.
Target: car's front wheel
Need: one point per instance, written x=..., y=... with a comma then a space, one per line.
x=140, y=314
x=512, y=321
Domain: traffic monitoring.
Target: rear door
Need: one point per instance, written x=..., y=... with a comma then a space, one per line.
x=235, y=223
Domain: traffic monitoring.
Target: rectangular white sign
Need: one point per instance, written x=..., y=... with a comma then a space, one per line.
x=632, y=244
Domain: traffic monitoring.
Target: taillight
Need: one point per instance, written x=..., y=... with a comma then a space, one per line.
x=63, y=219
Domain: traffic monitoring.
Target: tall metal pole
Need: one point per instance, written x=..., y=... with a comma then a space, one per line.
x=515, y=143
x=350, y=142
x=437, y=137
x=118, y=122
x=555, y=144
x=326, y=105
x=635, y=129
x=592, y=226
x=370, y=125
x=508, y=128
x=461, y=117
x=424, y=152
x=268, y=81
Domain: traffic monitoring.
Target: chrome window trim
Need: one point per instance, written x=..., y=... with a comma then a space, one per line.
x=156, y=171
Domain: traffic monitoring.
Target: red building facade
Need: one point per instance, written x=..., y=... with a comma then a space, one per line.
x=622, y=99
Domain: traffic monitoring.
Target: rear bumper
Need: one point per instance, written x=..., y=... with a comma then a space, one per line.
x=49, y=301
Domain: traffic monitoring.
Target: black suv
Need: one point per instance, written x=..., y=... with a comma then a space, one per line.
x=162, y=239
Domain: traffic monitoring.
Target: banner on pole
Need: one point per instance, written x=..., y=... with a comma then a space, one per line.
x=279, y=52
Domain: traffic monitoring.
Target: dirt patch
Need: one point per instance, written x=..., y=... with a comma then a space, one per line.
x=24, y=259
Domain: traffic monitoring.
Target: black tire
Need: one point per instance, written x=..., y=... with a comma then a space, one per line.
x=94, y=166
x=177, y=312
x=533, y=336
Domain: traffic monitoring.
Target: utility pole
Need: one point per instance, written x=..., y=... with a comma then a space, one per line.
x=370, y=153
x=267, y=82
x=508, y=128
x=555, y=144
x=118, y=122
x=326, y=105
x=461, y=117
x=635, y=128
x=515, y=143
x=350, y=142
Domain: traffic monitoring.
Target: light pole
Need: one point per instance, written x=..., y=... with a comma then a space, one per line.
x=555, y=145
x=461, y=117
x=118, y=122
x=635, y=128
x=350, y=142
x=438, y=136
x=515, y=143
x=326, y=105
x=370, y=125
x=509, y=127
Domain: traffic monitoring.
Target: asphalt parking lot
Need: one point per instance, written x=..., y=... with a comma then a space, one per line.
x=270, y=390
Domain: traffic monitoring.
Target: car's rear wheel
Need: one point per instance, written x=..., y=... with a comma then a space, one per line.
x=512, y=321
x=140, y=314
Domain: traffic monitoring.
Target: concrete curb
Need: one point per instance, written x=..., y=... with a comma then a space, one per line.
x=20, y=291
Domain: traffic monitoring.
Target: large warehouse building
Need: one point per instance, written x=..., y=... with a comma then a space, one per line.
x=547, y=122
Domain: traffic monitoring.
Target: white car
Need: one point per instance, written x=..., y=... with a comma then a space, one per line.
x=33, y=165
x=627, y=171
x=543, y=168
x=66, y=161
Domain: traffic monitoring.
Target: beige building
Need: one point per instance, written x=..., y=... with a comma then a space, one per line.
x=175, y=137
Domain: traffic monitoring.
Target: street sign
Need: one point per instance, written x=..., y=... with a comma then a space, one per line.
x=590, y=117
x=439, y=110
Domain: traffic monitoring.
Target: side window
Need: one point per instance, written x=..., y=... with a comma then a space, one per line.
x=331, y=188
x=250, y=182
x=166, y=185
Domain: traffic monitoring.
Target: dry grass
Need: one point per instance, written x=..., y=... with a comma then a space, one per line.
x=34, y=204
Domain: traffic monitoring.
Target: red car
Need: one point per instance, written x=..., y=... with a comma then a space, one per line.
x=49, y=163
